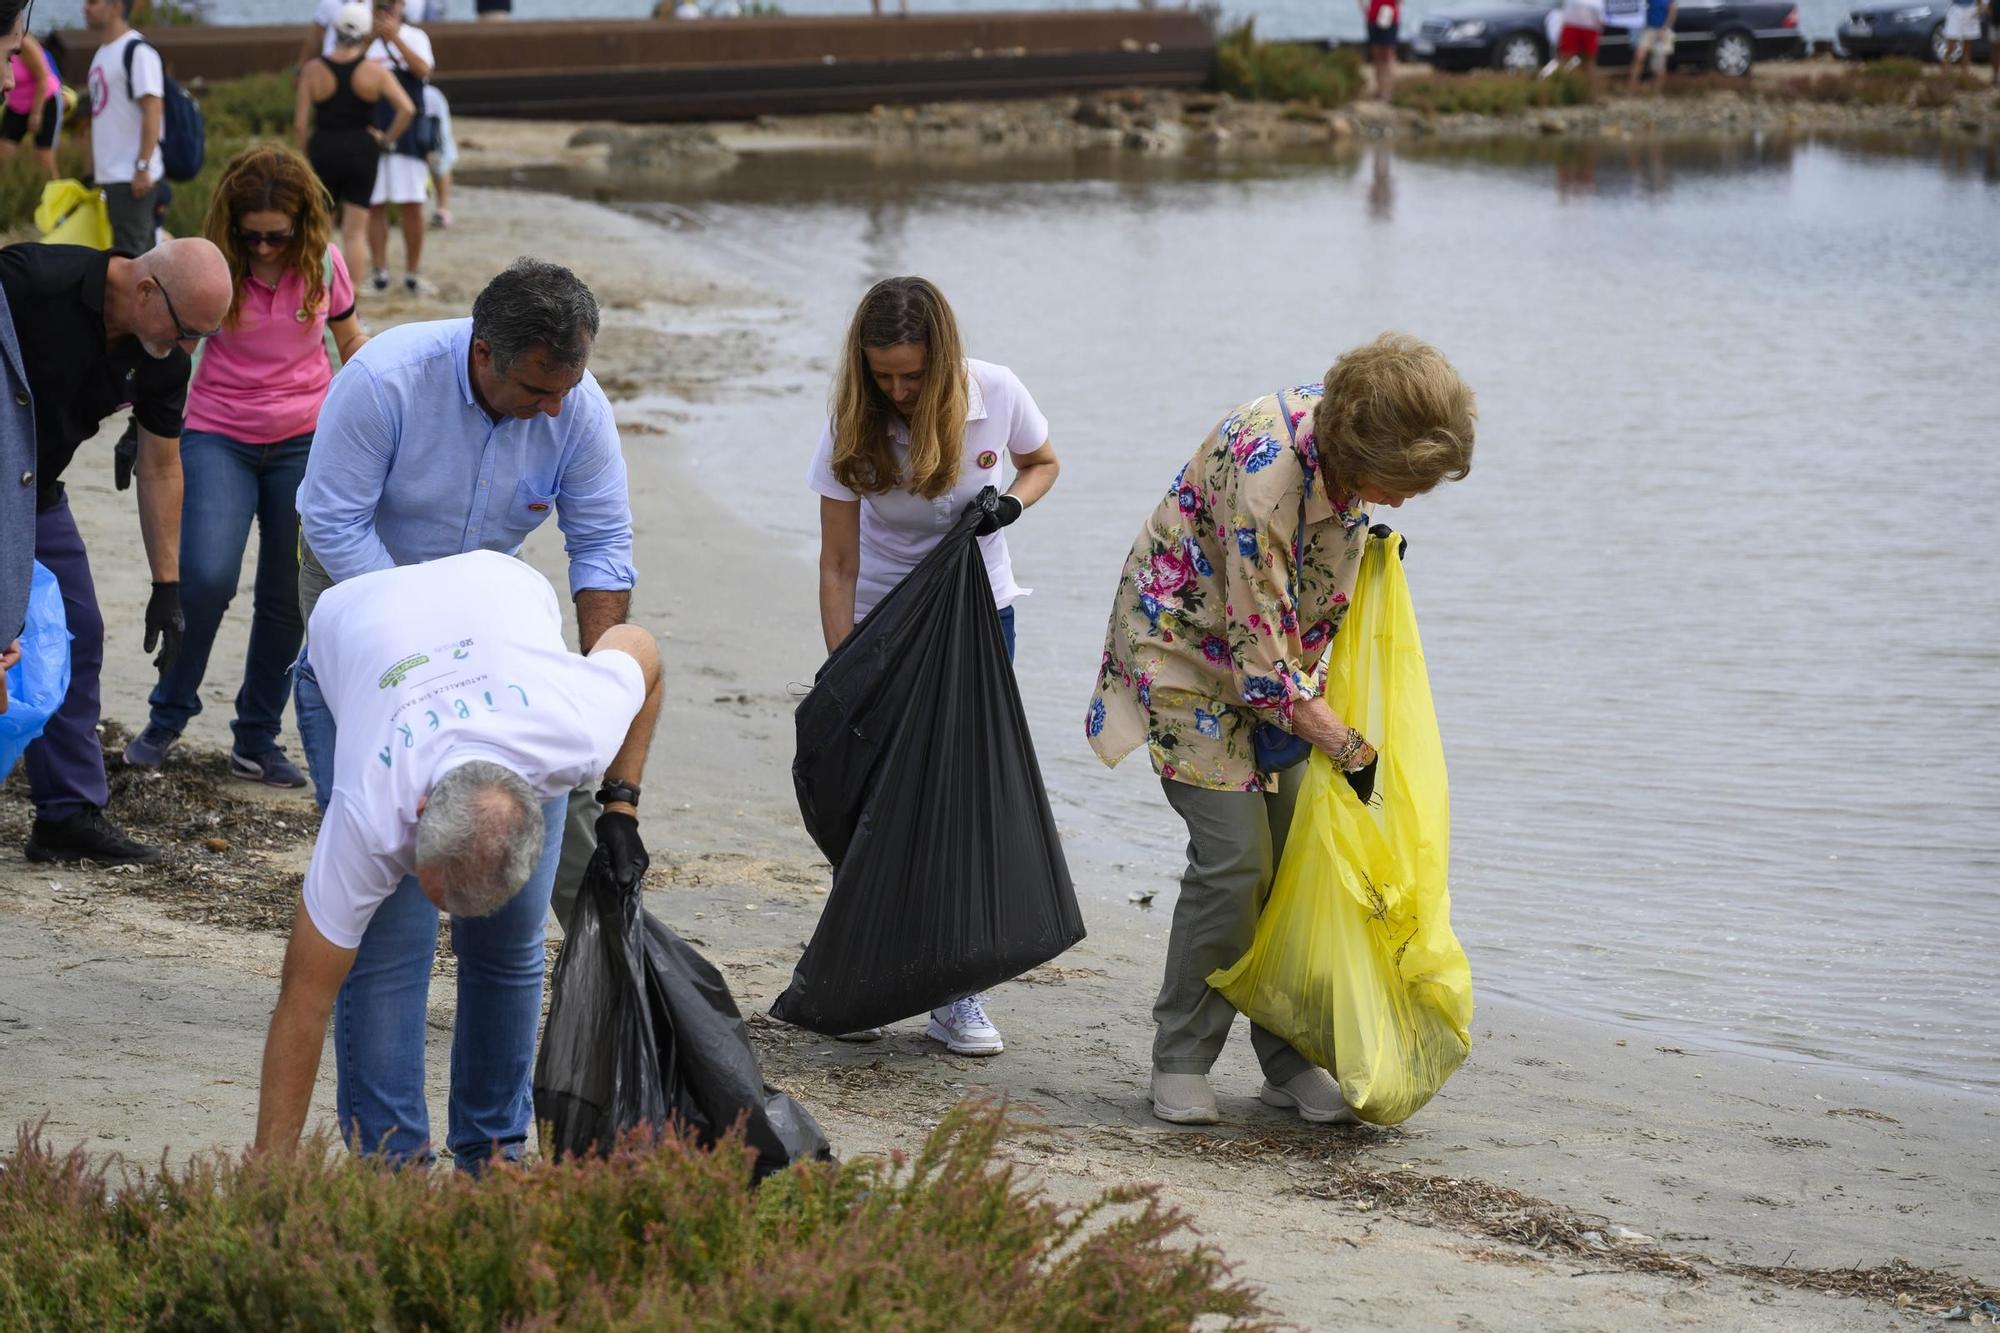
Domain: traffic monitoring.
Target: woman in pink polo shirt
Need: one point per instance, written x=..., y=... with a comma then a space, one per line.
x=252, y=406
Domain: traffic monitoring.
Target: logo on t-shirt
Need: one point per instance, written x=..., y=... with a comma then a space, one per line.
x=988, y=458
x=100, y=91
x=400, y=672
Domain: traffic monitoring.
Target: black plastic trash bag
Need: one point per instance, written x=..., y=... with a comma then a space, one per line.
x=642, y=1030
x=917, y=778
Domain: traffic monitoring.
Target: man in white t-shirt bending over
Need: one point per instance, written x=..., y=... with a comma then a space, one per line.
x=463, y=721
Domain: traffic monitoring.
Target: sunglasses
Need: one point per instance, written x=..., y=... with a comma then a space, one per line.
x=186, y=334
x=274, y=239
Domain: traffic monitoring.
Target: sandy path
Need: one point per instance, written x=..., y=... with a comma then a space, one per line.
x=135, y=1030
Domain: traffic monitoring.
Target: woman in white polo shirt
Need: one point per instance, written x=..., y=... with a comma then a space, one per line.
x=918, y=429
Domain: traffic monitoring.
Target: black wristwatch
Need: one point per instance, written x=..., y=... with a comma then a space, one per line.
x=616, y=790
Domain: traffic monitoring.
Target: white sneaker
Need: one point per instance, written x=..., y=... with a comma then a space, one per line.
x=416, y=286
x=379, y=279
x=1316, y=1096
x=964, y=1028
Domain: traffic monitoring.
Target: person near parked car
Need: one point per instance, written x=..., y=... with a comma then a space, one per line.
x=337, y=96
x=1655, y=43
x=918, y=430
x=1582, y=31
x=126, y=115
x=1230, y=598
x=252, y=407
x=97, y=330
x=1961, y=30
x=1384, y=18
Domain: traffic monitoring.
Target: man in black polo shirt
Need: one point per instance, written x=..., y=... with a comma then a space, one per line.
x=98, y=330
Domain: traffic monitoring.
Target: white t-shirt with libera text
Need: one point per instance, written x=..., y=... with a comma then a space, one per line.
x=114, y=113
x=426, y=667
x=899, y=527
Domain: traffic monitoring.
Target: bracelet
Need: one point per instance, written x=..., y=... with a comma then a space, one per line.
x=1345, y=756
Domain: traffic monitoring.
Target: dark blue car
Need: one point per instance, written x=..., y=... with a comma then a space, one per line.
x=1728, y=36
x=1911, y=28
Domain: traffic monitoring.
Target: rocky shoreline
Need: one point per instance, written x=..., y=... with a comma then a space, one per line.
x=1174, y=123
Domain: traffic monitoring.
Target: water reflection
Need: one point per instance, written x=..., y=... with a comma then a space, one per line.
x=1381, y=185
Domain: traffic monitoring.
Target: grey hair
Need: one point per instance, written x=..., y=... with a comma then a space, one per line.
x=536, y=304
x=481, y=830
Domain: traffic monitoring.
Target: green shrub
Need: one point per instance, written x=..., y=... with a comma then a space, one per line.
x=257, y=104
x=661, y=1235
x=1284, y=71
x=1908, y=69
x=1495, y=94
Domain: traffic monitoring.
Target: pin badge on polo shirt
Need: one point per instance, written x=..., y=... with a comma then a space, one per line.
x=538, y=506
x=988, y=458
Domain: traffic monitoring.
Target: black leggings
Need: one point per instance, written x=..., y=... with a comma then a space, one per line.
x=14, y=124
x=345, y=161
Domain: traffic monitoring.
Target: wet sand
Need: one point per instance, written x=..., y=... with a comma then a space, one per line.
x=1571, y=1176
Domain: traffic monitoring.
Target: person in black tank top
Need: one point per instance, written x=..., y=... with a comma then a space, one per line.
x=337, y=96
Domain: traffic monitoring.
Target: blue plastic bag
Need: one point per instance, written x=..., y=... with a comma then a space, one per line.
x=37, y=683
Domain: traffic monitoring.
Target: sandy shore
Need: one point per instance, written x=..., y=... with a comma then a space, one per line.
x=1572, y=1176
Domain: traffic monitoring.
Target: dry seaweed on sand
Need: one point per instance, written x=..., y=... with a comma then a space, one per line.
x=220, y=851
x=1898, y=1282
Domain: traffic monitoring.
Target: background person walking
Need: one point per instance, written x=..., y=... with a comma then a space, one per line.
x=252, y=407
x=337, y=96
x=918, y=430
x=401, y=178
x=126, y=113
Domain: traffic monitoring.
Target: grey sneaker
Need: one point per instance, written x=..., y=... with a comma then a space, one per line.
x=1315, y=1094
x=1184, y=1099
x=379, y=280
x=150, y=747
x=270, y=767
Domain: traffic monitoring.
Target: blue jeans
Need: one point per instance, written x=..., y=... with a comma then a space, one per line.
x=227, y=483
x=379, y=1016
x=1007, y=629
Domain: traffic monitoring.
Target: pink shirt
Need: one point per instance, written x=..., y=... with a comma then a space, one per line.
x=262, y=380
x=21, y=97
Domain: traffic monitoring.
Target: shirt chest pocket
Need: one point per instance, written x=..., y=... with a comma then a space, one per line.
x=532, y=503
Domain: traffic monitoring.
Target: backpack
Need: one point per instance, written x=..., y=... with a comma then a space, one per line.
x=183, y=132
x=421, y=138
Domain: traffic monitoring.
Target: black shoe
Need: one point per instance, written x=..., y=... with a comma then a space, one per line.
x=87, y=837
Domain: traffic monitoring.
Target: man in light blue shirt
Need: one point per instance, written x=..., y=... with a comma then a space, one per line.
x=437, y=439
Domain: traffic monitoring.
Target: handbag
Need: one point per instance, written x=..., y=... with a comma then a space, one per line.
x=1274, y=747
x=422, y=137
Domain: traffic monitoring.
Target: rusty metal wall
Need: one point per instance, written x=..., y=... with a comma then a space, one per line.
x=594, y=47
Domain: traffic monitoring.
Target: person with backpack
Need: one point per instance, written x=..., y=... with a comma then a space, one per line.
x=127, y=110
x=252, y=407
x=338, y=95
x=403, y=176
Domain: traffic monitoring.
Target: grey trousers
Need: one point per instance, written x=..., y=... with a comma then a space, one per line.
x=1235, y=840
x=579, y=845
x=133, y=228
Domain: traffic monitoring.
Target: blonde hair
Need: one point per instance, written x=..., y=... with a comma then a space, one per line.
x=1395, y=415
x=894, y=312
x=271, y=178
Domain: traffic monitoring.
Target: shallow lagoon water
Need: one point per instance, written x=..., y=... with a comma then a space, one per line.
x=1712, y=626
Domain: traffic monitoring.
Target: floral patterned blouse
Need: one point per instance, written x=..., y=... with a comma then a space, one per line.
x=1213, y=630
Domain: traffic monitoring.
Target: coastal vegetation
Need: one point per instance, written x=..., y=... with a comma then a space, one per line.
x=1284, y=71
x=663, y=1234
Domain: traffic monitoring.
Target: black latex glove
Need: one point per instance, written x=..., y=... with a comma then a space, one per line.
x=1385, y=531
x=1363, y=780
x=1005, y=511
x=618, y=835
x=125, y=456
x=164, y=623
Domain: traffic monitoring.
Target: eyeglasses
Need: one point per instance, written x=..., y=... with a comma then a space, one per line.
x=186, y=334
x=274, y=239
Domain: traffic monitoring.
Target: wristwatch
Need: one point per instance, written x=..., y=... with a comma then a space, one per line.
x=616, y=789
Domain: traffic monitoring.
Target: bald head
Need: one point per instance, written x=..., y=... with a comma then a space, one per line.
x=180, y=293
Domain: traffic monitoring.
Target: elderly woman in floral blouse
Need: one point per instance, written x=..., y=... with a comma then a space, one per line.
x=1236, y=586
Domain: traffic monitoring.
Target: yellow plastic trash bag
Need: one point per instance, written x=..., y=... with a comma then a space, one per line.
x=72, y=213
x=1354, y=962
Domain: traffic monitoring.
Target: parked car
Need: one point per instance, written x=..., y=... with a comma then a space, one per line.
x=1728, y=36
x=1911, y=28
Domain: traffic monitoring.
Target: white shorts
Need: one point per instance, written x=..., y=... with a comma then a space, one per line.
x=1961, y=23
x=446, y=156
x=400, y=180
